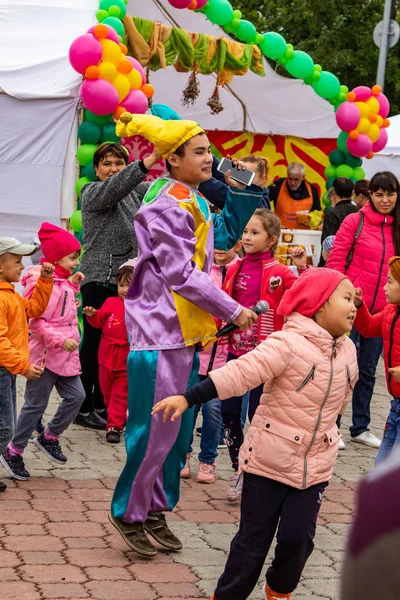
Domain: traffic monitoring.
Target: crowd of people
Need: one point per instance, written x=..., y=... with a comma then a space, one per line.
x=156, y=293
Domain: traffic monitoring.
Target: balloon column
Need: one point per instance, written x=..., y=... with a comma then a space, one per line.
x=113, y=83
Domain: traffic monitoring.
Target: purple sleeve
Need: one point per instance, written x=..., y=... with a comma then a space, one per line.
x=174, y=245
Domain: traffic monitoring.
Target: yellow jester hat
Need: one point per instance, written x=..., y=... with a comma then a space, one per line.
x=166, y=136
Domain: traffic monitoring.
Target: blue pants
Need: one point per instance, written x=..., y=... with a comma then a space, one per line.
x=391, y=434
x=210, y=430
x=8, y=407
x=368, y=353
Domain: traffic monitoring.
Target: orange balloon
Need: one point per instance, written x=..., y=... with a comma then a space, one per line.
x=354, y=135
x=386, y=122
x=148, y=90
x=370, y=155
x=124, y=49
x=193, y=5
x=373, y=118
x=376, y=89
x=125, y=67
x=351, y=97
x=92, y=72
x=119, y=112
x=100, y=31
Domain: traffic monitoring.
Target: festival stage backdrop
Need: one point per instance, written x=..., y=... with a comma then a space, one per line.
x=280, y=151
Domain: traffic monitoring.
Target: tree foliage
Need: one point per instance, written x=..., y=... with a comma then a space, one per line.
x=336, y=33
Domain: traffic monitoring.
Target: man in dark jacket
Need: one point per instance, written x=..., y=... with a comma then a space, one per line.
x=342, y=206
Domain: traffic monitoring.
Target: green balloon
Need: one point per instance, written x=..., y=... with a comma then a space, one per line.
x=101, y=15
x=329, y=183
x=330, y=171
x=259, y=38
x=301, y=65
x=80, y=183
x=85, y=154
x=358, y=173
x=76, y=221
x=341, y=141
x=219, y=12
x=115, y=24
x=108, y=133
x=344, y=171
x=90, y=173
x=337, y=157
x=273, y=46
x=327, y=86
x=89, y=116
x=246, y=32
x=89, y=132
x=353, y=161
x=107, y=4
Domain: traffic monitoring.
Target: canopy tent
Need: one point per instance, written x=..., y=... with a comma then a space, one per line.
x=38, y=106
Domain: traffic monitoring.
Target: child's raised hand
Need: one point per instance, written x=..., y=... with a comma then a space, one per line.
x=395, y=373
x=358, y=298
x=47, y=270
x=178, y=404
x=70, y=345
x=77, y=278
x=89, y=311
x=299, y=257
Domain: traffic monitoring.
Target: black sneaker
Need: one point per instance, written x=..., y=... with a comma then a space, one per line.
x=14, y=465
x=3, y=486
x=157, y=527
x=51, y=448
x=113, y=435
x=92, y=420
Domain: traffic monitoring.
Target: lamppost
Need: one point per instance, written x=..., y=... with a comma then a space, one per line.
x=386, y=35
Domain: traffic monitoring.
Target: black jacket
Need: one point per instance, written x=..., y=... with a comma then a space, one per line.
x=334, y=219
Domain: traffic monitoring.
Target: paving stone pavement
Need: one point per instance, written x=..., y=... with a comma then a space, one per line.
x=56, y=542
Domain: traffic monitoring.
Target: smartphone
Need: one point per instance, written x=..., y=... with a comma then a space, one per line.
x=246, y=177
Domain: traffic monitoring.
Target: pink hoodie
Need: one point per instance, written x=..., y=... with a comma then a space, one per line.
x=308, y=379
x=58, y=322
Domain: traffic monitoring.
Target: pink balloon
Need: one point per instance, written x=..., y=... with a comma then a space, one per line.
x=384, y=105
x=360, y=147
x=84, y=52
x=362, y=93
x=112, y=34
x=180, y=3
x=99, y=96
x=136, y=65
x=348, y=116
x=135, y=102
x=381, y=141
x=201, y=4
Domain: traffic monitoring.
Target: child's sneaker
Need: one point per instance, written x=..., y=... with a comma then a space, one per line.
x=185, y=473
x=206, y=473
x=51, y=448
x=269, y=594
x=235, y=484
x=113, y=435
x=14, y=465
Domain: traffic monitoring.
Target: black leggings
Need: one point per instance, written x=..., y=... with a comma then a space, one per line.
x=231, y=410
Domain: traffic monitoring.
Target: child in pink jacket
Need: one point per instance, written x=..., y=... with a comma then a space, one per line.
x=308, y=371
x=53, y=346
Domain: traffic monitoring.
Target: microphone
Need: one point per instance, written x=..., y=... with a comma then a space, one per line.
x=260, y=308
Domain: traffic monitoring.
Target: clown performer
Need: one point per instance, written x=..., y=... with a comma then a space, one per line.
x=168, y=312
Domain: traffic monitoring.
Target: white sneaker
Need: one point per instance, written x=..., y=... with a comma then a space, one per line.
x=368, y=439
x=342, y=445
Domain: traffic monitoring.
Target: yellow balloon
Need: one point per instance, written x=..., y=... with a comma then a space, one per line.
x=364, y=109
x=373, y=105
x=374, y=132
x=121, y=84
x=363, y=126
x=135, y=79
x=111, y=52
x=379, y=120
x=107, y=70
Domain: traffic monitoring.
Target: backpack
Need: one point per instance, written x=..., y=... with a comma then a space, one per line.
x=356, y=236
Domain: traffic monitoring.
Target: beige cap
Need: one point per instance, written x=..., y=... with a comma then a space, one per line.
x=13, y=246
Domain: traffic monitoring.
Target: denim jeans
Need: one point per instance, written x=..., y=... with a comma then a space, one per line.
x=210, y=429
x=8, y=407
x=368, y=353
x=391, y=434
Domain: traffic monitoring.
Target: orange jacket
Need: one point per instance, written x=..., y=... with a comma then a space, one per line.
x=14, y=313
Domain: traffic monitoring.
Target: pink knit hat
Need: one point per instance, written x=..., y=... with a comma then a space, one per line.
x=56, y=243
x=310, y=292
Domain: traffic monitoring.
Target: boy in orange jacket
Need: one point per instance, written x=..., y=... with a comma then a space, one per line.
x=14, y=313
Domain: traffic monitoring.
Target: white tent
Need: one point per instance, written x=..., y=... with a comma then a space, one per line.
x=40, y=94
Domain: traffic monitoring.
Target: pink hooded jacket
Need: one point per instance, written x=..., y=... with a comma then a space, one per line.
x=308, y=379
x=369, y=266
x=58, y=322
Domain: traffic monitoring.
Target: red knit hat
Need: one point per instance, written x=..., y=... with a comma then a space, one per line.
x=56, y=243
x=310, y=292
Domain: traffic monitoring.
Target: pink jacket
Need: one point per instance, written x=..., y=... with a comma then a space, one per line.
x=369, y=267
x=58, y=322
x=308, y=379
